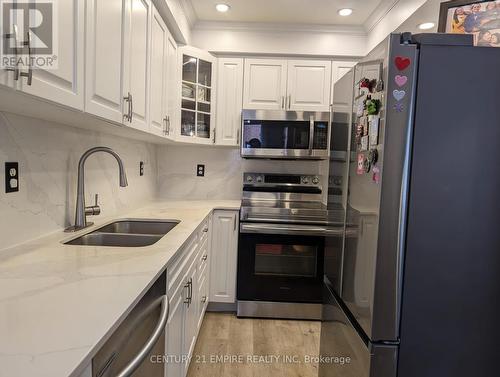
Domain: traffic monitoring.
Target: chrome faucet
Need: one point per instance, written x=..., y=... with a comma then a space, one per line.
x=82, y=211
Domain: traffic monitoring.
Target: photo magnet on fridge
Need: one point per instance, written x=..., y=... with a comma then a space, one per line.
x=360, y=170
x=364, y=143
x=373, y=130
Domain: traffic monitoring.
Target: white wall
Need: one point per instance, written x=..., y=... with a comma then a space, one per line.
x=262, y=39
x=399, y=13
x=429, y=12
x=224, y=170
x=176, y=18
x=247, y=38
x=48, y=155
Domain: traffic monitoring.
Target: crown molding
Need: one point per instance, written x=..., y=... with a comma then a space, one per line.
x=379, y=14
x=189, y=11
x=279, y=27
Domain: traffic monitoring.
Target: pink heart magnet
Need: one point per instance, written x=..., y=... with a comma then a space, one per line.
x=400, y=80
x=398, y=94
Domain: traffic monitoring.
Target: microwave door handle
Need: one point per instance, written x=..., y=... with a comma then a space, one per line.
x=311, y=135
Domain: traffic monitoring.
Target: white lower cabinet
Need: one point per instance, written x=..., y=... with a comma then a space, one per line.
x=187, y=278
x=224, y=256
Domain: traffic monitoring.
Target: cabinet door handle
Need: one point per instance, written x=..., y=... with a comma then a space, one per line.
x=234, y=223
x=238, y=136
x=16, y=66
x=204, y=299
x=289, y=101
x=168, y=124
x=190, y=290
x=282, y=102
x=128, y=98
x=165, y=127
x=29, y=74
x=131, y=108
x=205, y=257
x=187, y=285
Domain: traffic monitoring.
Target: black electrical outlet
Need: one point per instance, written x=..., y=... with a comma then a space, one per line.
x=11, y=177
x=141, y=168
x=200, y=170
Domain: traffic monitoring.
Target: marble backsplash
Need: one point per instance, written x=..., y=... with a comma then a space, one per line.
x=48, y=156
x=224, y=170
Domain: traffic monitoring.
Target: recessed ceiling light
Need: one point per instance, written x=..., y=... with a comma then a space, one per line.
x=426, y=25
x=222, y=8
x=345, y=12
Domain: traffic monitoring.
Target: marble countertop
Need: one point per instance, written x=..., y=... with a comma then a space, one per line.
x=58, y=303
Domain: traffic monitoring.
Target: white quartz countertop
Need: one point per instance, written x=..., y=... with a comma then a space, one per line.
x=58, y=303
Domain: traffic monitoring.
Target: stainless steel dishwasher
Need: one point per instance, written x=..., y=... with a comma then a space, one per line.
x=138, y=339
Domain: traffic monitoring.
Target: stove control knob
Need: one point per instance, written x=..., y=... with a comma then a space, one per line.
x=249, y=178
x=305, y=180
x=315, y=180
x=259, y=179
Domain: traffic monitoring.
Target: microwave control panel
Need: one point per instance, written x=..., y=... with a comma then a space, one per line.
x=320, y=140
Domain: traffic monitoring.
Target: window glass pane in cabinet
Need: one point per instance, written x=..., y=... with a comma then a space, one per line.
x=189, y=68
x=188, y=90
x=205, y=73
x=205, y=107
x=188, y=122
x=189, y=105
x=203, y=94
x=203, y=129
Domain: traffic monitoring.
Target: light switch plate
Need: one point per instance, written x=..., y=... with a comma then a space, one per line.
x=11, y=177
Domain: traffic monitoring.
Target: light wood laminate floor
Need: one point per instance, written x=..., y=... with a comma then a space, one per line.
x=233, y=347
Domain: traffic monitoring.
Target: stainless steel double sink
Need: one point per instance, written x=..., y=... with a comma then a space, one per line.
x=126, y=233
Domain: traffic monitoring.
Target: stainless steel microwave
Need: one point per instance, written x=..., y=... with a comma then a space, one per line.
x=285, y=134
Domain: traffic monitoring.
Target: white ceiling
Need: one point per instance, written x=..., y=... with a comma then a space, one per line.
x=304, y=12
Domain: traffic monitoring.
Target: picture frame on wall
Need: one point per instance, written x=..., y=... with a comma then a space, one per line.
x=481, y=18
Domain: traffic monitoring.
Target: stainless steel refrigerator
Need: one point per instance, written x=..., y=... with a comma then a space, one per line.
x=414, y=291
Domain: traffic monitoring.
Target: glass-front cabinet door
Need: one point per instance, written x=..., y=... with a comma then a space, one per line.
x=197, y=88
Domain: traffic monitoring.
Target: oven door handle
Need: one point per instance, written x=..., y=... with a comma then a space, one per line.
x=299, y=230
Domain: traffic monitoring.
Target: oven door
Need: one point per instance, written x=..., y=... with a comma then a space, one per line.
x=280, y=262
x=284, y=134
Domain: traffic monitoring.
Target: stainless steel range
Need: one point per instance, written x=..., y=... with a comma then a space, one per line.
x=283, y=222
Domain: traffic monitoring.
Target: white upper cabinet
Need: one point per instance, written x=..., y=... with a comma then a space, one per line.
x=172, y=92
x=63, y=85
x=138, y=17
x=264, y=84
x=197, y=92
x=105, y=31
x=341, y=90
x=308, y=86
x=299, y=85
x=159, y=75
x=229, y=100
x=340, y=68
